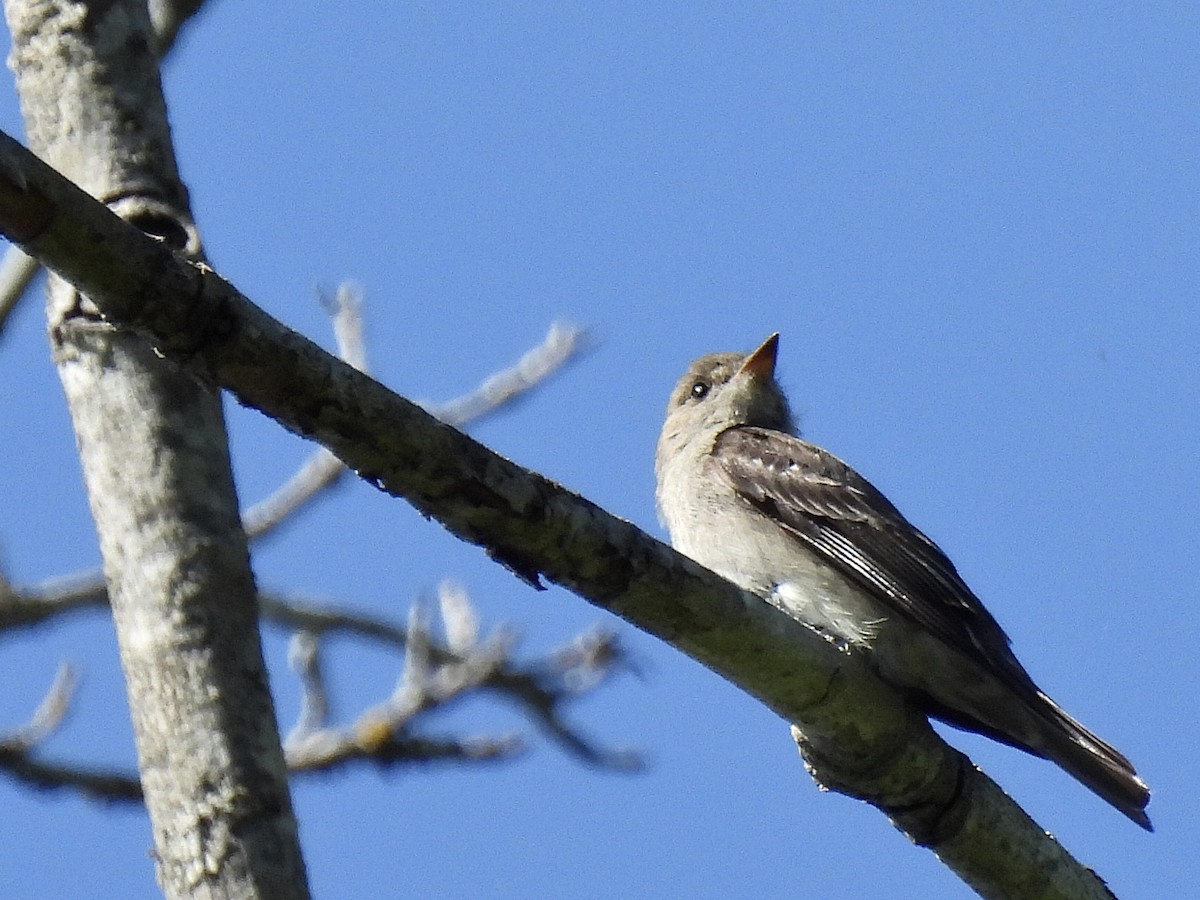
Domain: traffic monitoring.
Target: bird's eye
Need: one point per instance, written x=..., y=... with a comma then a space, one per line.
x=700, y=390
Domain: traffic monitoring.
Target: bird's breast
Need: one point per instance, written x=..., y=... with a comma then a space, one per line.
x=709, y=522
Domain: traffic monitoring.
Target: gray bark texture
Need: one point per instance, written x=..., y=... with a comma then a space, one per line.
x=858, y=736
x=155, y=459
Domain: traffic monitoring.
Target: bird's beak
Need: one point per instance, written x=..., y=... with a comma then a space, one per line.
x=761, y=363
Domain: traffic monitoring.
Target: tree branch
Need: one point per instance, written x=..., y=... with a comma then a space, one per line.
x=859, y=736
x=434, y=676
x=541, y=690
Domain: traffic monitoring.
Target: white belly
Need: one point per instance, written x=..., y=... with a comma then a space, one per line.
x=725, y=534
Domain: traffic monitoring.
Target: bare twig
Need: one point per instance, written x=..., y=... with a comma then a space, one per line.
x=561, y=344
x=295, y=612
x=17, y=271
x=345, y=310
x=435, y=674
x=16, y=751
x=316, y=475
x=384, y=732
x=52, y=598
x=541, y=689
x=378, y=742
x=321, y=470
x=574, y=670
x=304, y=658
x=47, y=717
x=167, y=17
x=99, y=784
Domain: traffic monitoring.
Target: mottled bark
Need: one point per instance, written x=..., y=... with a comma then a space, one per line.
x=155, y=458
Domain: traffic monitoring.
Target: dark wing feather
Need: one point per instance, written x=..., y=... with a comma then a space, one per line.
x=842, y=517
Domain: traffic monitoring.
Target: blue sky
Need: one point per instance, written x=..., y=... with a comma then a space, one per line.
x=976, y=231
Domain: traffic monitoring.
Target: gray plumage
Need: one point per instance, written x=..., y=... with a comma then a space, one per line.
x=742, y=495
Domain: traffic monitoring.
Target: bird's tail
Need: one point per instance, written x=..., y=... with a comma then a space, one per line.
x=1095, y=763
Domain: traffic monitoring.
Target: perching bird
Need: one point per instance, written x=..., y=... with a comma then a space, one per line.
x=780, y=517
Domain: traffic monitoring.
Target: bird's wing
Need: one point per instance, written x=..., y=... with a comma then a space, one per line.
x=842, y=517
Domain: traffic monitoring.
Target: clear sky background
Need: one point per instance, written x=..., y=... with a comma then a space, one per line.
x=977, y=232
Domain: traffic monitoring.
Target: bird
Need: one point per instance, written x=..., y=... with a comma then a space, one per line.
x=743, y=495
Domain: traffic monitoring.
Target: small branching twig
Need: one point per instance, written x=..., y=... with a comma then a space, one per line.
x=47, y=717
x=562, y=344
x=434, y=675
x=541, y=689
x=17, y=271
x=17, y=749
x=53, y=598
x=96, y=784
x=321, y=470
x=576, y=669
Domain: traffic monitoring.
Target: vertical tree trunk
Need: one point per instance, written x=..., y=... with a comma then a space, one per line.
x=155, y=459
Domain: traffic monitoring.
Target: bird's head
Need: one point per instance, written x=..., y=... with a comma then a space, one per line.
x=726, y=389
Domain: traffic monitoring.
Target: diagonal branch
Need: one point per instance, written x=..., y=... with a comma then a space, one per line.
x=860, y=737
